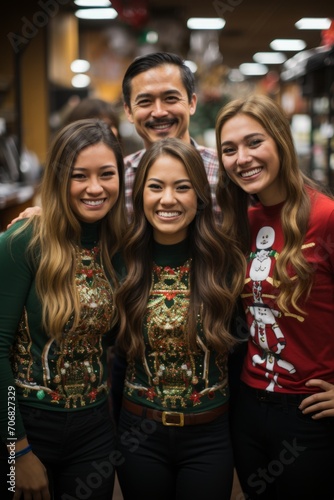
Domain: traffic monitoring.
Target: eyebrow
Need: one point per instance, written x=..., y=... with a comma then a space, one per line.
x=165, y=93
x=162, y=182
x=248, y=136
x=103, y=167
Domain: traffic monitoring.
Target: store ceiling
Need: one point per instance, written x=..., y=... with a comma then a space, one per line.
x=250, y=24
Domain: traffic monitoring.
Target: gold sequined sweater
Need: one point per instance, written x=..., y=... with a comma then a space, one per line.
x=34, y=369
x=171, y=375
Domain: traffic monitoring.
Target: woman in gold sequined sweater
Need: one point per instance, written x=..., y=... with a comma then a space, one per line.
x=175, y=309
x=56, y=312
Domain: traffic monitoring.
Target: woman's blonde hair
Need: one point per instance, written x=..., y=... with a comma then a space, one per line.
x=234, y=201
x=57, y=232
x=217, y=269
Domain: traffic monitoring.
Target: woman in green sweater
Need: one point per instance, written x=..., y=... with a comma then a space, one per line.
x=175, y=309
x=56, y=313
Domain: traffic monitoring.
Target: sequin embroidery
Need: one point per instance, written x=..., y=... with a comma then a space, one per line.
x=177, y=377
x=73, y=371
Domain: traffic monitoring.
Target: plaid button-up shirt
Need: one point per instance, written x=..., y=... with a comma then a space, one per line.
x=210, y=161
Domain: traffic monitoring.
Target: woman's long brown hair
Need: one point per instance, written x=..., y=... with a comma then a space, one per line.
x=217, y=269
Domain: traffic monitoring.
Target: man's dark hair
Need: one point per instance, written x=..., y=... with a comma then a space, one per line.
x=149, y=61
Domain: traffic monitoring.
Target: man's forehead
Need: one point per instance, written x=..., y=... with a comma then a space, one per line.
x=158, y=74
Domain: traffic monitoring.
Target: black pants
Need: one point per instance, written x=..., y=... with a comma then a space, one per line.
x=76, y=447
x=281, y=454
x=193, y=462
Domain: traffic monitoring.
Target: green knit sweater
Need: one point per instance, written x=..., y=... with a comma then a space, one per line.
x=171, y=375
x=34, y=369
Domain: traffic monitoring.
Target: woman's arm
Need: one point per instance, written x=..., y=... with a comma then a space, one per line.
x=31, y=480
x=16, y=279
x=17, y=275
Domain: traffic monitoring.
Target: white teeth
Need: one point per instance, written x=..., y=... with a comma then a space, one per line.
x=93, y=203
x=161, y=127
x=168, y=214
x=249, y=173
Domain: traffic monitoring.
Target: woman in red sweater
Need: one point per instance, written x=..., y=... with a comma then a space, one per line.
x=282, y=421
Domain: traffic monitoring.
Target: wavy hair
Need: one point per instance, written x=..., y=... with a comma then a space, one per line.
x=217, y=270
x=56, y=233
x=234, y=201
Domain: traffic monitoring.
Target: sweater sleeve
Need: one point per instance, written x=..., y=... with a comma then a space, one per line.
x=17, y=275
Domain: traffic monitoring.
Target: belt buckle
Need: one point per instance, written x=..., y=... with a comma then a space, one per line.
x=166, y=414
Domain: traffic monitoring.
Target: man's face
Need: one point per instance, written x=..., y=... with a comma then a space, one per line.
x=159, y=105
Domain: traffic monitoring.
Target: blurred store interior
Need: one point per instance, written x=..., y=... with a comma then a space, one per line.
x=43, y=41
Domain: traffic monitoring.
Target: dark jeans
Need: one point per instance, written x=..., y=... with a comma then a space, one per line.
x=279, y=452
x=76, y=447
x=117, y=376
x=193, y=462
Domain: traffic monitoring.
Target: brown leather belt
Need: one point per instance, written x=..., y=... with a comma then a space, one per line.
x=174, y=418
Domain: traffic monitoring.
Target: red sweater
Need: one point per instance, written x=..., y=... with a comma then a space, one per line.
x=286, y=350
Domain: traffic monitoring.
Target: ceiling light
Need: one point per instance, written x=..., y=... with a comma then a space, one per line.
x=253, y=69
x=96, y=13
x=269, y=57
x=206, y=23
x=313, y=23
x=92, y=3
x=80, y=81
x=288, y=44
x=152, y=37
x=80, y=66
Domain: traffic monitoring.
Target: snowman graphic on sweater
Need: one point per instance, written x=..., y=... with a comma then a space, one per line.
x=264, y=329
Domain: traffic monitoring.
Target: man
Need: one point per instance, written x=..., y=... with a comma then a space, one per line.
x=159, y=99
